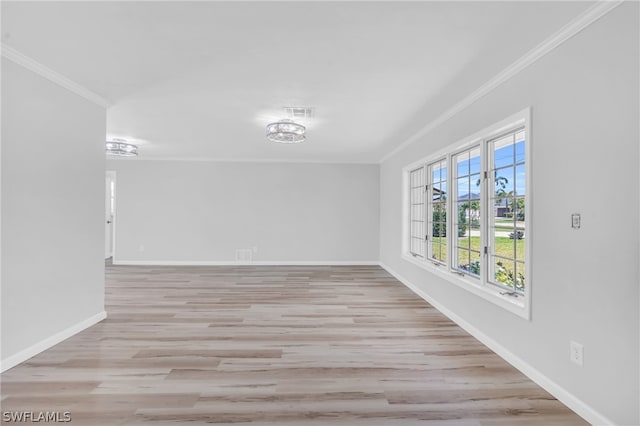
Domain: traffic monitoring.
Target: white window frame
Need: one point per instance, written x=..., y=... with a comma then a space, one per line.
x=490, y=187
x=429, y=210
x=419, y=187
x=520, y=304
x=454, y=211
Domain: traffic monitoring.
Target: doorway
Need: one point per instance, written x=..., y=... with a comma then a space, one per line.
x=109, y=213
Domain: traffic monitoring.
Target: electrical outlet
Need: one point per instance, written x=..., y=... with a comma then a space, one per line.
x=255, y=249
x=576, y=354
x=141, y=248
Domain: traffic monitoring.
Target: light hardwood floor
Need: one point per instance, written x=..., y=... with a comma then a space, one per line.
x=275, y=345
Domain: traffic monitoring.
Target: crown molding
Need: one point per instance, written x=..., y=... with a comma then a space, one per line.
x=242, y=160
x=31, y=64
x=576, y=25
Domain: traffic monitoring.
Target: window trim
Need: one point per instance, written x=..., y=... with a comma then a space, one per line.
x=521, y=305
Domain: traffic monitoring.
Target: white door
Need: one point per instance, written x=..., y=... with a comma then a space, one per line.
x=109, y=201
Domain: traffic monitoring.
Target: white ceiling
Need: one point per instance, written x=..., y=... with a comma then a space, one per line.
x=202, y=79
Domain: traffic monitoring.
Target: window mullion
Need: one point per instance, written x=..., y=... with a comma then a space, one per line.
x=451, y=179
x=452, y=204
x=427, y=212
x=484, y=208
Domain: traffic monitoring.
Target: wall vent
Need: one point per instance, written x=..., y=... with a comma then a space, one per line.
x=299, y=113
x=244, y=255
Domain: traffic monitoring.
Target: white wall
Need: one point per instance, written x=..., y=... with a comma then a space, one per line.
x=584, y=99
x=52, y=212
x=194, y=211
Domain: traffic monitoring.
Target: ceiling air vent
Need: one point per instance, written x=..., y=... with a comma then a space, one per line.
x=299, y=113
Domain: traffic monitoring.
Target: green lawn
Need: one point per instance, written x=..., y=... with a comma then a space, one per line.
x=503, y=220
x=503, y=246
x=508, y=225
x=504, y=228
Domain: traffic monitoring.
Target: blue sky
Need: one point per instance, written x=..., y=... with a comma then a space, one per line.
x=504, y=158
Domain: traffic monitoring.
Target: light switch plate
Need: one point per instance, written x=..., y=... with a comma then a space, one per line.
x=575, y=220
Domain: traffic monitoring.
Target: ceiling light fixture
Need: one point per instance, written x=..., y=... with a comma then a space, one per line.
x=120, y=148
x=286, y=131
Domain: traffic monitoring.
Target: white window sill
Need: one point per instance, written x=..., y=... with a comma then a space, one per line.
x=516, y=305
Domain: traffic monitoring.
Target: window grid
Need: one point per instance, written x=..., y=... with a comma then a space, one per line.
x=507, y=171
x=466, y=253
x=437, y=211
x=416, y=215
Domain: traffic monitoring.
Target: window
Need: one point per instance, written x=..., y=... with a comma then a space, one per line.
x=507, y=231
x=468, y=212
x=416, y=215
x=437, y=212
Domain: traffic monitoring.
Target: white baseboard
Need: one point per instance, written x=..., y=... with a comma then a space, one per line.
x=563, y=395
x=45, y=344
x=254, y=262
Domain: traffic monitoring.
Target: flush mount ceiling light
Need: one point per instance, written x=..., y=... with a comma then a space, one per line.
x=121, y=148
x=286, y=131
